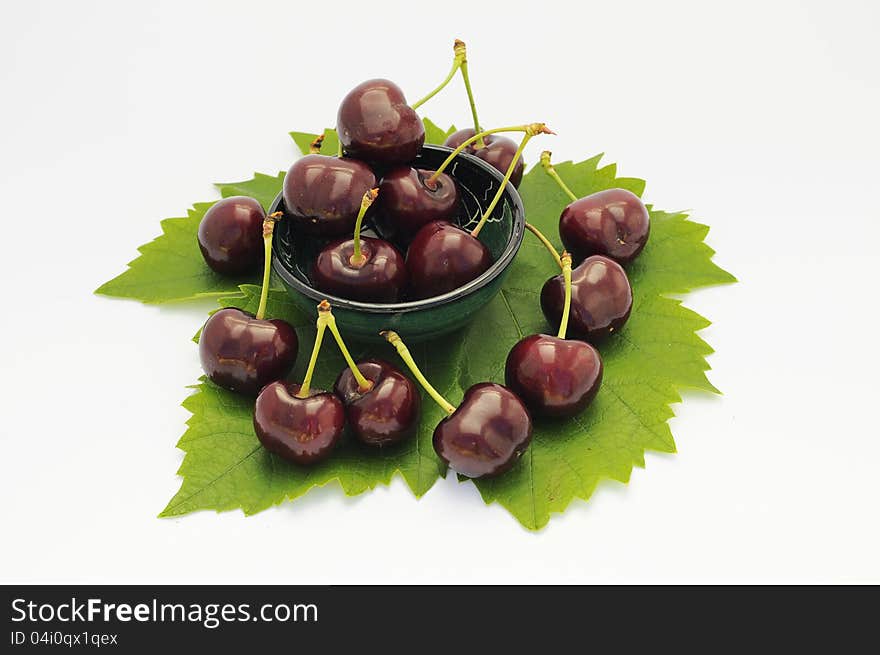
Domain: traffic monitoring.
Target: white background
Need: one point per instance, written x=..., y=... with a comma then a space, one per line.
x=760, y=117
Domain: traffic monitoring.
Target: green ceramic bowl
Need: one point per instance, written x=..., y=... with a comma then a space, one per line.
x=418, y=320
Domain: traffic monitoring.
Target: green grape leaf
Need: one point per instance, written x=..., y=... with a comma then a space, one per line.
x=170, y=268
x=656, y=355
x=226, y=468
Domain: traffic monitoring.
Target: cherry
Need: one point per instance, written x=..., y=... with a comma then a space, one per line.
x=614, y=222
x=381, y=278
x=299, y=428
x=498, y=151
x=384, y=413
x=601, y=298
x=553, y=376
x=486, y=434
x=375, y=124
x=323, y=194
x=295, y=421
x=409, y=201
x=362, y=268
x=243, y=352
x=443, y=257
x=231, y=235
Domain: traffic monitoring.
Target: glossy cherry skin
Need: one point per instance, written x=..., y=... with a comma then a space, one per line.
x=231, y=235
x=300, y=430
x=386, y=414
x=553, y=376
x=443, y=257
x=381, y=278
x=375, y=124
x=408, y=203
x=499, y=152
x=601, y=299
x=241, y=353
x=487, y=433
x=614, y=223
x=323, y=194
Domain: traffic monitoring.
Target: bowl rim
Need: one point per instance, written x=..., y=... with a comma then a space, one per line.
x=488, y=276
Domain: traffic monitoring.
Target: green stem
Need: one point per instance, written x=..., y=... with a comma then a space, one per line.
x=364, y=384
x=394, y=339
x=460, y=48
x=456, y=64
x=321, y=324
x=338, y=146
x=486, y=214
x=550, y=247
x=566, y=308
x=548, y=168
x=455, y=153
x=357, y=258
x=268, y=229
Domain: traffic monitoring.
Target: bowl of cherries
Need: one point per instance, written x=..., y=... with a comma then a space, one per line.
x=390, y=232
x=401, y=240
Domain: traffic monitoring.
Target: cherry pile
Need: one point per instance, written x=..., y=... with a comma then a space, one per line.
x=330, y=197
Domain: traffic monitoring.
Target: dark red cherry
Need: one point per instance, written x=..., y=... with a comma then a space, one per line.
x=375, y=124
x=499, y=152
x=409, y=201
x=382, y=276
x=486, y=434
x=242, y=353
x=386, y=414
x=323, y=194
x=614, y=223
x=601, y=298
x=231, y=235
x=553, y=376
x=443, y=257
x=301, y=430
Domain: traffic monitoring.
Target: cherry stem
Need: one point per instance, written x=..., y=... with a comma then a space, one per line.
x=566, y=308
x=548, y=168
x=357, y=258
x=321, y=324
x=533, y=129
x=338, y=146
x=460, y=57
x=460, y=47
x=455, y=153
x=315, y=146
x=268, y=229
x=394, y=339
x=364, y=385
x=550, y=247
